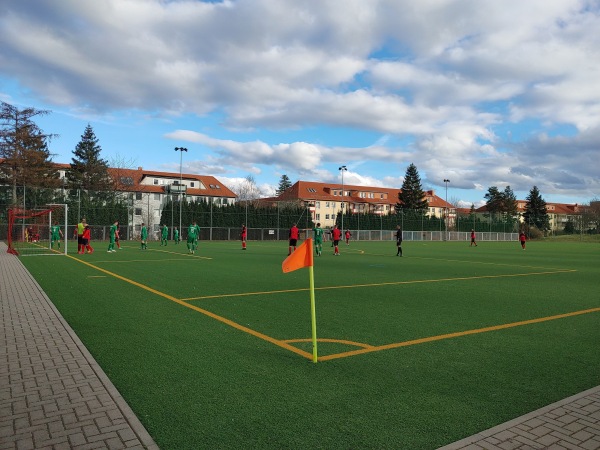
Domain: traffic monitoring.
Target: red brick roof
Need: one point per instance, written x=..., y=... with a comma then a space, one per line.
x=551, y=208
x=134, y=177
x=311, y=190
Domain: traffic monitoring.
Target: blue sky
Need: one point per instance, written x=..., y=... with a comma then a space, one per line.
x=480, y=92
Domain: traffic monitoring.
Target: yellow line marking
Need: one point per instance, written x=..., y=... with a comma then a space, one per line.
x=139, y=260
x=388, y=283
x=179, y=253
x=387, y=255
x=335, y=341
x=96, y=276
x=455, y=335
x=231, y=323
x=366, y=348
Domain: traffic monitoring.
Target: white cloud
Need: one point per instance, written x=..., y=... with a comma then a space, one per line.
x=436, y=78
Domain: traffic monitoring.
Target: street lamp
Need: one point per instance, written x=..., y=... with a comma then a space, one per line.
x=446, y=181
x=342, y=169
x=181, y=150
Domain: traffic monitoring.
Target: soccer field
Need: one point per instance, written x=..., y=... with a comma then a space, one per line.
x=213, y=350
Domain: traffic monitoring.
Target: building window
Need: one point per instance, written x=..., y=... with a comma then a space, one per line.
x=138, y=195
x=156, y=181
x=138, y=211
x=191, y=184
x=333, y=205
x=317, y=204
x=156, y=196
x=318, y=216
x=326, y=216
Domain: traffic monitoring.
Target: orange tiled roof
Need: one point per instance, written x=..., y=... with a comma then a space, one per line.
x=136, y=176
x=311, y=190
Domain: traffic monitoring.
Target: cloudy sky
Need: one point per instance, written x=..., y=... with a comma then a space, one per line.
x=480, y=92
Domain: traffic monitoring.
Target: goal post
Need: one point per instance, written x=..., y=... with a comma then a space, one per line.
x=41, y=231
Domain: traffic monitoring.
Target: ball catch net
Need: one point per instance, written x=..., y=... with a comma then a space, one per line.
x=40, y=231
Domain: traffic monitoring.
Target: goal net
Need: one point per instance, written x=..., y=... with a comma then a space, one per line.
x=40, y=231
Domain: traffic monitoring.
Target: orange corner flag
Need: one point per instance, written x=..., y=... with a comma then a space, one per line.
x=302, y=257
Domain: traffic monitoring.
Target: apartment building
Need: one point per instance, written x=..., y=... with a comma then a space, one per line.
x=326, y=200
x=149, y=191
x=558, y=213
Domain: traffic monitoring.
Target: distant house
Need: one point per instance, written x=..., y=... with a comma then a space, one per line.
x=326, y=200
x=558, y=213
x=149, y=191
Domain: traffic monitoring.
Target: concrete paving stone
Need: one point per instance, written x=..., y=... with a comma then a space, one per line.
x=567, y=418
x=591, y=444
x=547, y=440
x=77, y=439
x=541, y=430
x=114, y=443
x=133, y=445
x=527, y=443
x=520, y=431
x=533, y=423
x=91, y=446
x=591, y=408
x=582, y=435
x=574, y=427
x=592, y=427
x=569, y=445
x=25, y=444
x=565, y=438
x=510, y=444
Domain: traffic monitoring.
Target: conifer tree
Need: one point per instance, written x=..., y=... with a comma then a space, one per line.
x=88, y=170
x=412, y=196
x=284, y=183
x=536, y=213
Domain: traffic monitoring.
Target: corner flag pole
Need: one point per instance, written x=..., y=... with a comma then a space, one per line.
x=313, y=311
x=303, y=257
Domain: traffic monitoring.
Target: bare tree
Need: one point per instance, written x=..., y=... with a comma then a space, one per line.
x=24, y=155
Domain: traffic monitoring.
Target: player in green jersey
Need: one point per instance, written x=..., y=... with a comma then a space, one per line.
x=192, y=237
x=112, y=234
x=197, y=235
x=56, y=235
x=164, y=235
x=144, y=236
x=176, y=235
x=318, y=235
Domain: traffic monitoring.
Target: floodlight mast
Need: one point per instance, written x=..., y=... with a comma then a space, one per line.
x=446, y=181
x=181, y=150
x=342, y=169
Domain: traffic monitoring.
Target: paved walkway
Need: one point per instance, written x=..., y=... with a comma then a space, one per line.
x=572, y=423
x=53, y=394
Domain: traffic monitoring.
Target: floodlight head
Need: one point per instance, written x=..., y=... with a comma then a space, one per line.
x=342, y=168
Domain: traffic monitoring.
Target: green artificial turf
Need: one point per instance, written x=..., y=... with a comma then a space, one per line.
x=197, y=382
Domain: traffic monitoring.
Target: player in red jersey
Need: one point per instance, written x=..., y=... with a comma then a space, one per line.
x=336, y=235
x=86, y=237
x=522, y=239
x=473, y=239
x=243, y=235
x=294, y=232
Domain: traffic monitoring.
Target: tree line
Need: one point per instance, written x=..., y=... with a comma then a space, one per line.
x=30, y=178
